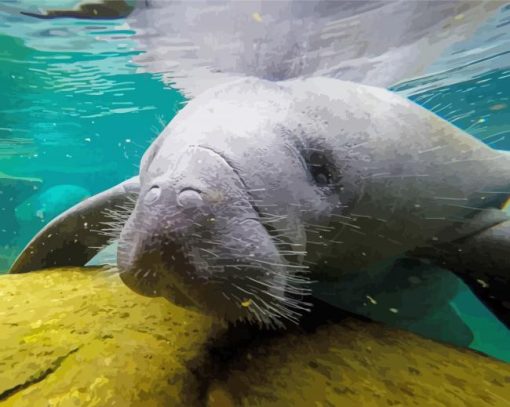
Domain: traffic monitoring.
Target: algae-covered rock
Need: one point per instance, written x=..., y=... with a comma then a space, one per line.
x=359, y=364
x=79, y=337
x=83, y=338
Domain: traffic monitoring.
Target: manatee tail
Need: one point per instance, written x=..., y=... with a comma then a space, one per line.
x=74, y=237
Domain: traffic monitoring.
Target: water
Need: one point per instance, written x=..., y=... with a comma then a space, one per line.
x=76, y=116
x=74, y=112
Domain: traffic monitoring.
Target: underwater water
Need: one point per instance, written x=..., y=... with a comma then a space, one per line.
x=75, y=117
x=77, y=114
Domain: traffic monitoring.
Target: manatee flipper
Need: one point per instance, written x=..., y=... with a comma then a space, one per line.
x=483, y=262
x=75, y=236
x=444, y=324
x=409, y=293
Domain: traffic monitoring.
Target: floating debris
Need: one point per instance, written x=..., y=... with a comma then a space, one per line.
x=246, y=303
x=498, y=106
x=257, y=17
x=373, y=301
x=482, y=283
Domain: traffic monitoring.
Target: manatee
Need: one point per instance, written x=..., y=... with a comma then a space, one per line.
x=50, y=202
x=291, y=174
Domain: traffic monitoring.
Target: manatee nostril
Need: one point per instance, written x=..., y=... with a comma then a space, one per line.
x=152, y=195
x=189, y=198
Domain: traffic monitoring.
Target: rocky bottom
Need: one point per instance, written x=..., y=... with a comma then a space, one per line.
x=79, y=337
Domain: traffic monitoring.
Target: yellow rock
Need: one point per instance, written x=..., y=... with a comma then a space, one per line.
x=364, y=364
x=71, y=337
x=75, y=337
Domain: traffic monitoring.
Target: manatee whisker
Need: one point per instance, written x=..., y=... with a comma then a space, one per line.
x=212, y=242
x=279, y=232
x=252, y=314
x=98, y=248
x=280, y=264
x=289, y=289
x=313, y=242
x=275, y=313
x=267, y=221
x=283, y=311
x=297, y=279
x=261, y=204
x=262, y=311
x=238, y=239
x=292, y=252
x=465, y=207
x=322, y=227
x=350, y=225
x=272, y=216
x=317, y=232
x=273, y=317
x=293, y=303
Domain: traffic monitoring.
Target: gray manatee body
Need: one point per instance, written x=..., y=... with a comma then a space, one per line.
x=259, y=194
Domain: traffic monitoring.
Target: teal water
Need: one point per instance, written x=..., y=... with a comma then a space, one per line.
x=76, y=116
x=74, y=112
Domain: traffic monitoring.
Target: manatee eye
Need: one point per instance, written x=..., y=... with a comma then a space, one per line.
x=319, y=169
x=320, y=175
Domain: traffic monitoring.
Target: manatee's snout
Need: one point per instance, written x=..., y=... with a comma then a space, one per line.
x=196, y=238
x=154, y=244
